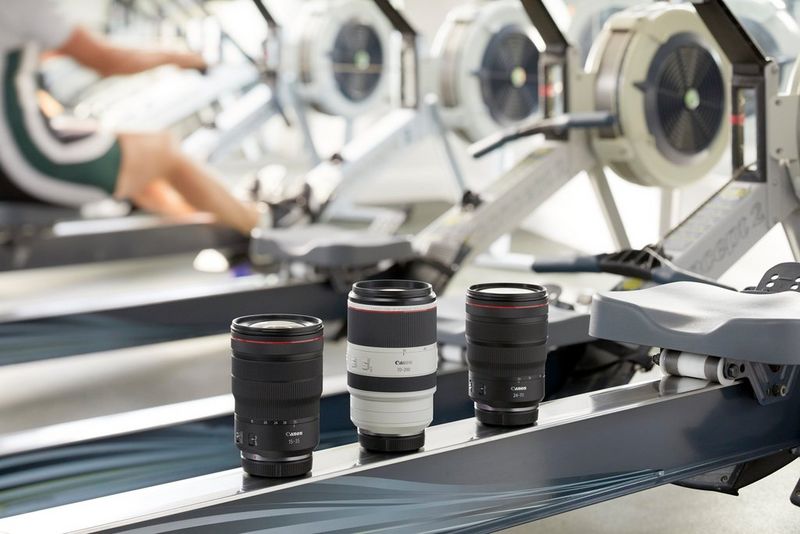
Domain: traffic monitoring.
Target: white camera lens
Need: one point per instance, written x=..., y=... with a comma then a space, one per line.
x=391, y=362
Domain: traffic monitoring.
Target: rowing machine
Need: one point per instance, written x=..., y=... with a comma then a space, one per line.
x=760, y=195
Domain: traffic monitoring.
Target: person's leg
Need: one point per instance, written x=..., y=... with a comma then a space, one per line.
x=147, y=158
x=160, y=197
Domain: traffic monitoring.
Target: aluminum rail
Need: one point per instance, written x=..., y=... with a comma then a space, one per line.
x=57, y=329
x=87, y=459
x=452, y=387
x=586, y=449
x=64, y=242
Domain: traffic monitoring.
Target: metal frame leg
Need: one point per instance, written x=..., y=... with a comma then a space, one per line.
x=305, y=129
x=608, y=205
x=441, y=132
x=791, y=227
x=349, y=129
x=667, y=204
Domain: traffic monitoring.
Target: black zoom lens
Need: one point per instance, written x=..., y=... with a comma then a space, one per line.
x=506, y=351
x=276, y=374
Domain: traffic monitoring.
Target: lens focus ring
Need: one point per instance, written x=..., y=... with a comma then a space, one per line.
x=279, y=402
x=276, y=370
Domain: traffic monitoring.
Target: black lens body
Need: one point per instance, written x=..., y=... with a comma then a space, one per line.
x=276, y=374
x=506, y=351
x=392, y=359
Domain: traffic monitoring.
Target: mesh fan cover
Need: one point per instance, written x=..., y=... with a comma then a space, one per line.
x=685, y=97
x=509, y=75
x=357, y=57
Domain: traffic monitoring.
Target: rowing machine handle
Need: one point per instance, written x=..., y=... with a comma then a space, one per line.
x=549, y=126
x=574, y=264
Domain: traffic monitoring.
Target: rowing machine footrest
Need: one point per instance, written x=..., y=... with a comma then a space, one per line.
x=782, y=277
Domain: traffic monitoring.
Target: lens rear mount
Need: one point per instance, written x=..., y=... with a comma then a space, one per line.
x=383, y=443
x=491, y=417
x=273, y=469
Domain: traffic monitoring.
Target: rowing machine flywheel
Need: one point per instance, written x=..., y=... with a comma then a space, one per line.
x=659, y=72
x=488, y=56
x=340, y=51
x=509, y=76
x=684, y=100
x=357, y=60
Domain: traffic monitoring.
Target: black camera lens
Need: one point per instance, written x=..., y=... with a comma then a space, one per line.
x=506, y=351
x=391, y=362
x=276, y=374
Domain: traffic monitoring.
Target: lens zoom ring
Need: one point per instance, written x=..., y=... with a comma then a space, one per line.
x=277, y=400
x=492, y=356
x=508, y=331
x=272, y=371
x=391, y=385
x=391, y=329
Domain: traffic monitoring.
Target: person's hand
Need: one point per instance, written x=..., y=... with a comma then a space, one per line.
x=192, y=61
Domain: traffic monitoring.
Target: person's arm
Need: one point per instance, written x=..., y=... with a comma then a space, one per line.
x=108, y=59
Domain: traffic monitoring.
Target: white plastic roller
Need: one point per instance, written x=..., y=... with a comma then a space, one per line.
x=700, y=366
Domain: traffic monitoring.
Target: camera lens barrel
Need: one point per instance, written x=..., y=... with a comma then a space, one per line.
x=276, y=378
x=506, y=351
x=392, y=360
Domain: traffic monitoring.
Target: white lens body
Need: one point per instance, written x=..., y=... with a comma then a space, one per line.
x=396, y=413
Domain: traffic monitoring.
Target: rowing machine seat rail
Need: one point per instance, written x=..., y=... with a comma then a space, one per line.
x=757, y=327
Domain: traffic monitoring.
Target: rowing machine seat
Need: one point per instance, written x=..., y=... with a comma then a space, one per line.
x=704, y=319
x=330, y=247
